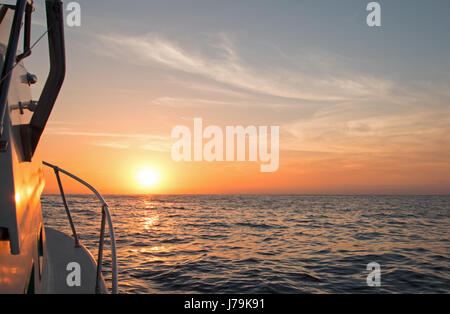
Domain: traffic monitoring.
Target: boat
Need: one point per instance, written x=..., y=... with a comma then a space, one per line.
x=35, y=258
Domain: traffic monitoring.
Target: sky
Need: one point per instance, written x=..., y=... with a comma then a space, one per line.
x=361, y=110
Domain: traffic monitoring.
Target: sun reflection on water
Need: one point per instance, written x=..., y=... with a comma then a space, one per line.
x=150, y=222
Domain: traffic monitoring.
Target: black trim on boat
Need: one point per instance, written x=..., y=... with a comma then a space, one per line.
x=27, y=33
x=31, y=133
x=10, y=57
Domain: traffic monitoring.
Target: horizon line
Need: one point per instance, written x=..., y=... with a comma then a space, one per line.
x=274, y=194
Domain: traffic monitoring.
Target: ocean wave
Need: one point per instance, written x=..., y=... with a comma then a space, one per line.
x=268, y=244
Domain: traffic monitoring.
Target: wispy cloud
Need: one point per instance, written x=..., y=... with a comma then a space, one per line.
x=359, y=112
x=103, y=134
x=150, y=142
x=112, y=145
x=342, y=130
x=186, y=102
x=227, y=66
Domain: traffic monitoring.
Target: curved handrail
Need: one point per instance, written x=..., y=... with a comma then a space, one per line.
x=105, y=214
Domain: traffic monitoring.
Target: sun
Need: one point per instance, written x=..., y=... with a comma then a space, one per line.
x=148, y=177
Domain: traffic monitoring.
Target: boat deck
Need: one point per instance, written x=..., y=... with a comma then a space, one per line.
x=59, y=278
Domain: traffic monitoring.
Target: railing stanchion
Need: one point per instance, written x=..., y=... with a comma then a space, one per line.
x=100, y=250
x=66, y=206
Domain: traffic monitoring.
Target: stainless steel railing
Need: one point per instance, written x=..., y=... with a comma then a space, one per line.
x=105, y=217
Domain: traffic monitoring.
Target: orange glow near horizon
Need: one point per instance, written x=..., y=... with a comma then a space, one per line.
x=296, y=175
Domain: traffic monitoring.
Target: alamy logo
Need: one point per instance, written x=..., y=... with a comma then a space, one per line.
x=232, y=148
x=374, y=278
x=74, y=16
x=374, y=17
x=73, y=279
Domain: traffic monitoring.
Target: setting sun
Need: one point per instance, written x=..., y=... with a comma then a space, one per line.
x=148, y=177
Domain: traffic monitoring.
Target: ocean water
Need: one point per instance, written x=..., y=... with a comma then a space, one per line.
x=268, y=244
